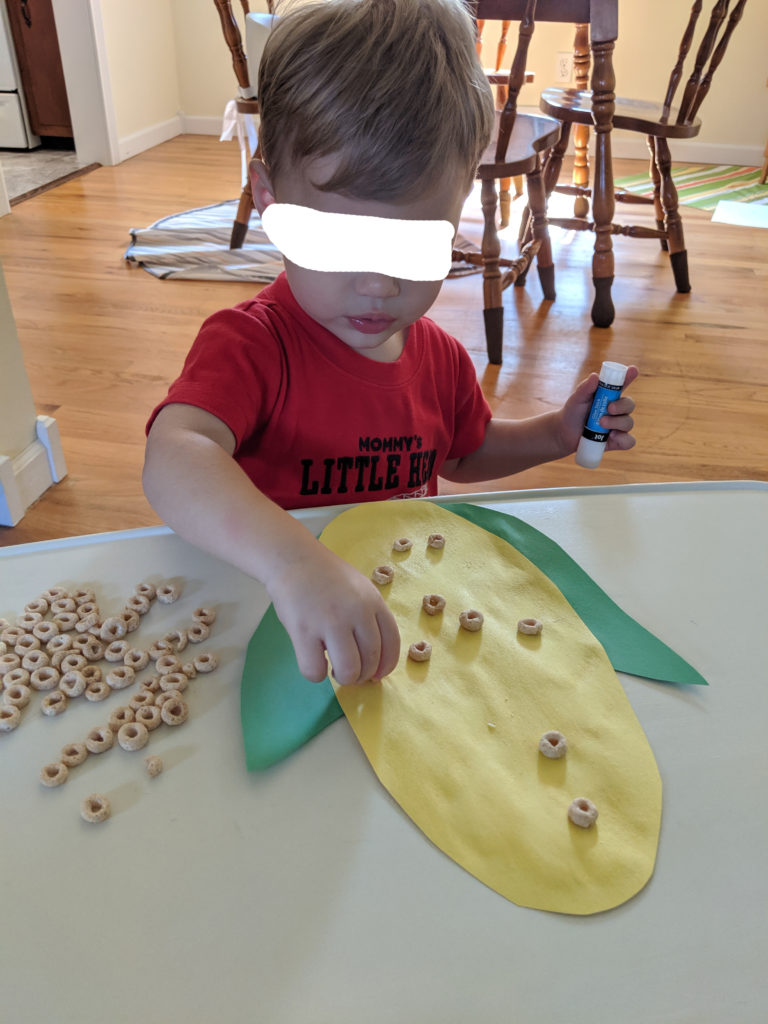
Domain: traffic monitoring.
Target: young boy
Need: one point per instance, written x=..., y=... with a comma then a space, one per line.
x=331, y=386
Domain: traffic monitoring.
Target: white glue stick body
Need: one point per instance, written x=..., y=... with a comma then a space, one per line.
x=593, y=437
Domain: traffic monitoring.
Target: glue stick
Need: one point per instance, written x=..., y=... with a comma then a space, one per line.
x=593, y=437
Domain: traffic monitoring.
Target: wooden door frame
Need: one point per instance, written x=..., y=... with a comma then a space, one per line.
x=86, y=73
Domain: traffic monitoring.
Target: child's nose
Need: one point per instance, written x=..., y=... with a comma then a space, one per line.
x=377, y=286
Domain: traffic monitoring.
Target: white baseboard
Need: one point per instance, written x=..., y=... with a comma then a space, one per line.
x=131, y=145
x=631, y=146
x=198, y=125
x=182, y=124
x=26, y=477
x=624, y=145
x=628, y=146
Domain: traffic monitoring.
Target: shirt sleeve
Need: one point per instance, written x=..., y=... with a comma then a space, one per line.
x=235, y=370
x=471, y=410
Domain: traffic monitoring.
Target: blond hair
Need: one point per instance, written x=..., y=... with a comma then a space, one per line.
x=393, y=87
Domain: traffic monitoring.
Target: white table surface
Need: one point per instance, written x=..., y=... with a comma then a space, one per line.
x=305, y=895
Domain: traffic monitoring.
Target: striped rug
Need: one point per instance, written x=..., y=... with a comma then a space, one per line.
x=704, y=185
x=194, y=246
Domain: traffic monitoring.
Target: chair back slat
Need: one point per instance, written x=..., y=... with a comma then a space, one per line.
x=234, y=41
x=516, y=79
x=706, y=46
x=685, y=45
x=701, y=92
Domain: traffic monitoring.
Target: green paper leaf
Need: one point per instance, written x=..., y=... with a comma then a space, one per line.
x=630, y=647
x=281, y=710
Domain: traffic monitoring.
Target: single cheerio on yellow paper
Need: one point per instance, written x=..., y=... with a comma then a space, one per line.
x=455, y=738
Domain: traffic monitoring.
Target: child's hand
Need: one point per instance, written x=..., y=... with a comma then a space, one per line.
x=618, y=419
x=326, y=605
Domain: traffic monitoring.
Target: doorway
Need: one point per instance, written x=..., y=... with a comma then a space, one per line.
x=37, y=145
x=83, y=59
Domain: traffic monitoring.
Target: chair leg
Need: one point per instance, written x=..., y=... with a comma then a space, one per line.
x=603, y=204
x=505, y=201
x=552, y=166
x=538, y=203
x=243, y=216
x=581, y=168
x=493, y=311
x=581, y=62
x=673, y=224
x=554, y=161
x=764, y=172
x=656, y=179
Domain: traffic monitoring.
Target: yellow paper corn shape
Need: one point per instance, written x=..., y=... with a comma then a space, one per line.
x=455, y=739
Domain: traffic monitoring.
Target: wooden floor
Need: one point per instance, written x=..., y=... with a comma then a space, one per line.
x=102, y=341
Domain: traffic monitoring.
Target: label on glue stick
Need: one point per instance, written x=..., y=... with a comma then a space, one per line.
x=605, y=394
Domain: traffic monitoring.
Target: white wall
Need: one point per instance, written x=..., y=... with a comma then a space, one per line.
x=140, y=48
x=206, y=78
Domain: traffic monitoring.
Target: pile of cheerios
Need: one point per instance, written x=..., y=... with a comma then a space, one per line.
x=63, y=648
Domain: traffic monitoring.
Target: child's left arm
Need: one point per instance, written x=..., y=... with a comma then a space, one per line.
x=511, y=446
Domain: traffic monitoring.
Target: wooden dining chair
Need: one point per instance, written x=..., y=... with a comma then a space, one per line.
x=246, y=101
x=659, y=122
x=517, y=141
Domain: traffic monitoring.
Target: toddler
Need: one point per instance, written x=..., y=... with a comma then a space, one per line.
x=331, y=386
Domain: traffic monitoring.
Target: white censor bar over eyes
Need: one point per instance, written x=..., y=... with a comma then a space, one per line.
x=414, y=250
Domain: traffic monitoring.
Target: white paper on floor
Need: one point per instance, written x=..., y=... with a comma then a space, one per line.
x=747, y=215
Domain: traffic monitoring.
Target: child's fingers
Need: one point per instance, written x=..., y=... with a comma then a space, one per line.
x=310, y=657
x=621, y=407
x=585, y=390
x=620, y=441
x=369, y=651
x=390, y=644
x=617, y=423
x=368, y=640
x=346, y=653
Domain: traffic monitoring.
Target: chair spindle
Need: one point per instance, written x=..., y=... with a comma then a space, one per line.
x=516, y=79
x=706, y=46
x=733, y=20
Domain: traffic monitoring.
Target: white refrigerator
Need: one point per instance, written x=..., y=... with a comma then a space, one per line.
x=15, y=132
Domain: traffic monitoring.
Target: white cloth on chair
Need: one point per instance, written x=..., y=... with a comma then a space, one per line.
x=246, y=128
x=257, y=29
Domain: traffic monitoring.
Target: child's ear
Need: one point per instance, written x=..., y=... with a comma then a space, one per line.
x=261, y=186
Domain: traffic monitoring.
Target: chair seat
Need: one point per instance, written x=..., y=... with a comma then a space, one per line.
x=634, y=115
x=502, y=77
x=245, y=106
x=531, y=135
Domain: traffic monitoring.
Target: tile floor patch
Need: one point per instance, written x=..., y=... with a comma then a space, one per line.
x=26, y=170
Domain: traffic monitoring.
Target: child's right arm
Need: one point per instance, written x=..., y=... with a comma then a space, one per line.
x=192, y=481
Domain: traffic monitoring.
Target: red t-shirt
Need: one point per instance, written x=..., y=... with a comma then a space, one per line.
x=317, y=423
